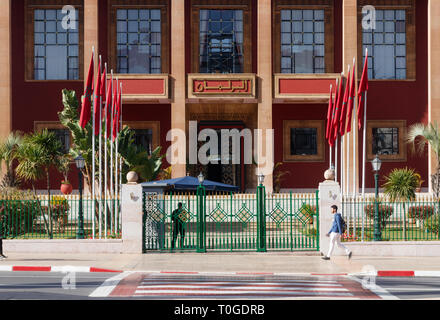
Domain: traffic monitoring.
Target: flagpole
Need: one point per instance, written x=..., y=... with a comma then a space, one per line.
x=331, y=102
x=364, y=135
x=355, y=189
x=120, y=158
x=100, y=155
x=93, y=153
x=364, y=145
x=111, y=158
x=116, y=165
x=105, y=167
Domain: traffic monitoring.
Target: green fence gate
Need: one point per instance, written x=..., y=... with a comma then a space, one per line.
x=230, y=222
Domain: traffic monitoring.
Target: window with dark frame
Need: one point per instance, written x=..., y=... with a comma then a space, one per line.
x=385, y=141
x=221, y=41
x=64, y=136
x=303, y=141
x=56, y=49
x=139, y=41
x=302, y=41
x=144, y=138
x=387, y=45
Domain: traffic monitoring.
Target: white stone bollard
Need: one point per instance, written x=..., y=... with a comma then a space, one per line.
x=132, y=213
x=329, y=194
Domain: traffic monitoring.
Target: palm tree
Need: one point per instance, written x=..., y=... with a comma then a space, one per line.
x=418, y=136
x=8, y=150
x=40, y=151
x=401, y=185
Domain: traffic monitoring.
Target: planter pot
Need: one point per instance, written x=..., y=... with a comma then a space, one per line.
x=66, y=188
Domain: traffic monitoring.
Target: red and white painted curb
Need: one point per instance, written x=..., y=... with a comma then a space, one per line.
x=378, y=273
x=56, y=269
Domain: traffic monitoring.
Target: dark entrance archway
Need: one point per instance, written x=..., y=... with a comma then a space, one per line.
x=228, y=172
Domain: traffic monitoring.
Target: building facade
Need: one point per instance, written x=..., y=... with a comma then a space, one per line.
x=231, y=64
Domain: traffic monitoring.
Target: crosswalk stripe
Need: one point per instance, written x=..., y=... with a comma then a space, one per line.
x=237, y=292
x=159, y=278
x=189, y=287
x=259, y=284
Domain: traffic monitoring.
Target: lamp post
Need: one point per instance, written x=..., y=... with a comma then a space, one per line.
x=201, y=215
x=80, y=164
x=261, y=214
x=376, y=163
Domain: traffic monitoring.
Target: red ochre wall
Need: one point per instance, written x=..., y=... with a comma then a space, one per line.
x=302, y=174
x=136, y=112
x=403, y=100
x=34, y=100
x=42, y=100
x=387, y=100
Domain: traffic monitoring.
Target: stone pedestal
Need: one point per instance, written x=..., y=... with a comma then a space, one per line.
x=132, y=218
x=329, y=194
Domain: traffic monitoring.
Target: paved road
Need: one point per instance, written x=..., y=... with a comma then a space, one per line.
x=156, y=286
x=426, y=288
x=49, y=285
x=186, y=286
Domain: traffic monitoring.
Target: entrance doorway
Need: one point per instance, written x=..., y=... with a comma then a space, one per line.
x=225, y=172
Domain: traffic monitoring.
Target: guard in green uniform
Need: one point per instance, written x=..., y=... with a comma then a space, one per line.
x=178, y=225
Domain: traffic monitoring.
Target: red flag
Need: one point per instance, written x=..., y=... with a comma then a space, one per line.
x=351, y=98
x=88, y=96
x=113, y=111
x=329, y=115
x=363, y=87
x=98, y=99
x=343, y=117
x=117, y=116
x=108, y=107
x=337, y=110
x=103, y=80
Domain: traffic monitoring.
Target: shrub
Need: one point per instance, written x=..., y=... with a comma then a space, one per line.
x=421, y=212
x=432, y=224
x=385, y=212
x=18, y=210
x=308, y=211
x=401, y=184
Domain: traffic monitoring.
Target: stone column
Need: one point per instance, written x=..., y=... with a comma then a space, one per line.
x=350, y=47
x=178, y=78
x=329, y=194
x=433, y=75
x=5, y=66
x=265, y=90
x=90, y=34
x=132, y=218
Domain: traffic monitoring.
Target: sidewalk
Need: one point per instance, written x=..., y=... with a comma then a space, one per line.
x=245, y=262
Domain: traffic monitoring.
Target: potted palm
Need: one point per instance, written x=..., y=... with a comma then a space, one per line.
x=419, y=135
x=419, y=182
x=64, y=168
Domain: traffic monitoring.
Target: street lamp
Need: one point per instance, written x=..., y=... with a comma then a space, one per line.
x=376, y=164
x=261, y=214
x=201, y=235
x=201, y=178
x=260, y=179
x=80, y=164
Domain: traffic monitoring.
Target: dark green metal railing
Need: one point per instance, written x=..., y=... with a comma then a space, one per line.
x=231, y=222
x=34, y=219
x=415, y=220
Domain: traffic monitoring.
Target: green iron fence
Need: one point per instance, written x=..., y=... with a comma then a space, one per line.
x=415, y=220
x=32, y=219
x=231, y=222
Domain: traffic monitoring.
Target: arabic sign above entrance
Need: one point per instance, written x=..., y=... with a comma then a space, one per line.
x=221, y=85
